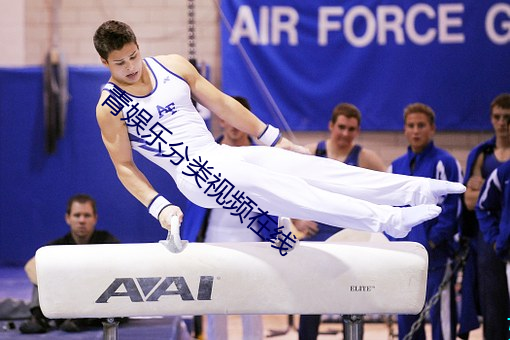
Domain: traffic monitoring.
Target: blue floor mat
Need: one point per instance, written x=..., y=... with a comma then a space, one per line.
x=134, y=329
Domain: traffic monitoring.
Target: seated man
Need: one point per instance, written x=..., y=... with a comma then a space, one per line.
x=81, y=216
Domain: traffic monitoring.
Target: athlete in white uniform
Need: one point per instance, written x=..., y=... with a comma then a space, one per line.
x=147, y=107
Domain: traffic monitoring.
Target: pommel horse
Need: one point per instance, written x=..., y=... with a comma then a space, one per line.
x=351, y=277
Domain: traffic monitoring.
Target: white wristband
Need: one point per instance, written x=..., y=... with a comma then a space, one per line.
x=270, y=136
x=157, y=205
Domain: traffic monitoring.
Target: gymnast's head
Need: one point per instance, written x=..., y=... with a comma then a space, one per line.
x=116, y=44
x=113, y=35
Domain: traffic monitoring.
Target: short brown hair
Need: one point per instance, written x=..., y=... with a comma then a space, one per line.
x=348, y=110
x=503, y=101
x=81, y=198
x=420, y=108
x=244, y=102
x=112, y=35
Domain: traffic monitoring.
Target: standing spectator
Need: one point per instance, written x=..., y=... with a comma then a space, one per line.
x=344, y=128
x=484, y=277
x=493, y=212
x=424, y=159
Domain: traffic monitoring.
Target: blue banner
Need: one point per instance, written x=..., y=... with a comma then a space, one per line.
x=295, y=60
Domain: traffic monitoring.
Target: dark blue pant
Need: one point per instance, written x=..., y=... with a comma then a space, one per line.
x=405, y=322
x=493, y=290
x=309, y=327
x=470, y=306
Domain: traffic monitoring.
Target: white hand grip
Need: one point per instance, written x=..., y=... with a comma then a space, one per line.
x=173, y=240
x=175, y=226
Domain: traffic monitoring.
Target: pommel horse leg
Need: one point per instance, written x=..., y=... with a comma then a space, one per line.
x=110, y=329
x=353, y=327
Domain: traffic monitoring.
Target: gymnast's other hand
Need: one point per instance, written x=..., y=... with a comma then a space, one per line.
x=286, y=144
x=308, y=228
x=166, y=214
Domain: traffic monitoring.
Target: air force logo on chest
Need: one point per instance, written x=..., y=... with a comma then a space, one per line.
x=166, y=109
x=153, y=288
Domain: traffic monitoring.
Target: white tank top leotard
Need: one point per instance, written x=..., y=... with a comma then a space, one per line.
x=170, y=125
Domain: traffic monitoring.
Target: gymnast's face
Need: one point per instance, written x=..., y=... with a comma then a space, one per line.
x=125, y=64
x=419, y=131
x=82, y=221
x=344, y=130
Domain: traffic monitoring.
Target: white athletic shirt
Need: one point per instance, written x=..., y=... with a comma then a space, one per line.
x=164, y=125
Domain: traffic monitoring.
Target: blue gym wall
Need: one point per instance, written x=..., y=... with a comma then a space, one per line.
x=35, y=185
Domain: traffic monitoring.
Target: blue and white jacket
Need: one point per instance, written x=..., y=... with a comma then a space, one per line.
x=435, y=163
x=493, y=210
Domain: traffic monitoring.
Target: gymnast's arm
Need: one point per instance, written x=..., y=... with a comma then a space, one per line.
x=224, y=106
x=115, y=138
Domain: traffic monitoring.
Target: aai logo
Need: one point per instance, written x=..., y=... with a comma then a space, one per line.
x=152, y=288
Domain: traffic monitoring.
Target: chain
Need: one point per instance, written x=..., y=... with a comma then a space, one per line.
x=191, y=30
x=458, y=266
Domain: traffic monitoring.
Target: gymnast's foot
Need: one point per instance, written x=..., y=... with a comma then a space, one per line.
x=437, y=190
x=412, y=216
x=442, y=188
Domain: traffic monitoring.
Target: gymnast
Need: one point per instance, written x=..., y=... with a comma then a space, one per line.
x=147, y=106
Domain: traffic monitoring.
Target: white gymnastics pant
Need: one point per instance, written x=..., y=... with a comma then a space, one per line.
x=308, y=187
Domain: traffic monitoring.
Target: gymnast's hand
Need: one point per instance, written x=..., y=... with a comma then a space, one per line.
x=166, y=215
x=286, y=144
x=308, y=228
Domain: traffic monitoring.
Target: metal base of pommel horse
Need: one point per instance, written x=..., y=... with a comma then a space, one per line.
x=350, y=276
x=110, y=329
x=353, y=327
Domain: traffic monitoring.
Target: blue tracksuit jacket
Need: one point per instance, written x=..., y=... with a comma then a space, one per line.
x=493, y=210
x=436, y=163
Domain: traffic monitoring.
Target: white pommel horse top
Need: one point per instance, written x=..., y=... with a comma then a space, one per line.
x=352, y=277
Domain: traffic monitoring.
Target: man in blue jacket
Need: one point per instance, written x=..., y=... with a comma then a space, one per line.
x=424, y=159
x=493, y=212
x=484, y=278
